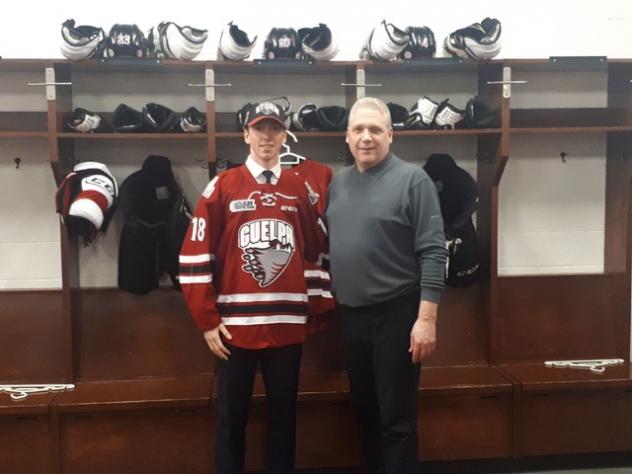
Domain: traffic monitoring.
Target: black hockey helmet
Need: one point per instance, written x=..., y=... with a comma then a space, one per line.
x=333, y=118
x=192, y=121
x=158, y=118
x=399, y=116
x=125, y=41
x=479, y=115
x=127, y=119
x=305, y=119
x=282, y=43
x=421, y=43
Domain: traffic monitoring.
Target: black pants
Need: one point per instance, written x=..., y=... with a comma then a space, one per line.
x=280, y=369
x=384, y=381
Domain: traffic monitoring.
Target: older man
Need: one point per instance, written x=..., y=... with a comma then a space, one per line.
x=387, y=250
x=243, y=278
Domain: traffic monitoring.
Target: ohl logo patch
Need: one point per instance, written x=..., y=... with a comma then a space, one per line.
x=268, y=246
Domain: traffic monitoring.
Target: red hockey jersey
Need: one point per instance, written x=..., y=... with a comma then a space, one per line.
x=242, y=260
x=317, y=177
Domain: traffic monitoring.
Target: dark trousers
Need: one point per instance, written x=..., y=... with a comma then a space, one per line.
x=280, y=369
x=384, y=381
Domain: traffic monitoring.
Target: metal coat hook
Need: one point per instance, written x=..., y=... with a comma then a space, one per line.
x=17, y=161
x=563, y=155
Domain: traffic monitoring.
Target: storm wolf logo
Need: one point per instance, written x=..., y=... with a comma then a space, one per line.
x=268, y=246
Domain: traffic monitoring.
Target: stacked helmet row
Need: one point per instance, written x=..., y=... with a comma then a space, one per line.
x=308, y=117
x=281, y=43
x=153, y=118
x=170, y=40
x=386, y=42
x=426, y=114
x=167, y=40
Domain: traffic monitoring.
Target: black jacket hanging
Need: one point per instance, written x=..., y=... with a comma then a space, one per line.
x=458, y=196
x=156, y=217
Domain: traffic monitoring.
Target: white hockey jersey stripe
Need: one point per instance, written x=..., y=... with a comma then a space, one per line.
x=273, y=319
x=201, y=258
x=317, y=274
x=258, y=297
x=319, y=292
x=196, y=279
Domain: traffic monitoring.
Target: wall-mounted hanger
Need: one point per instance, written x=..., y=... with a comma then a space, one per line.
x=288, y=157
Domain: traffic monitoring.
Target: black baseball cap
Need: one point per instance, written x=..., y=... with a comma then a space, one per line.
x=266, y=110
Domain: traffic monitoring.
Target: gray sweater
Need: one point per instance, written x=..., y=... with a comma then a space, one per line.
x=386, y=234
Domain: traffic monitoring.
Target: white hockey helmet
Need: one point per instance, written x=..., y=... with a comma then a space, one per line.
x=385, y=42
x=317, y=42
x=234, y=43
x=177, y=42
x=80, y=42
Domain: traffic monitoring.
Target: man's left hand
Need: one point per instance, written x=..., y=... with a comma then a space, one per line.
x=423, y=336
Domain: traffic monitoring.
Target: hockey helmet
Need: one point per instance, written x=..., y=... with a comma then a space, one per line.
x=169, y=40
x=477, y=41
x=332, y=118
x=192, y=121
x=81, y=42
x=385, y=42
x=399, y=116
x=82, y=120
x=421, y=43
x=317, y=42
x=158, y=118
x=282, y=43
x=305, y=119
x=479, y=115
x=125, y=41
x=127, y=119
x=234, y=43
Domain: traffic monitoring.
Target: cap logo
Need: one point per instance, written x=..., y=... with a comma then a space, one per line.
x=267, y=108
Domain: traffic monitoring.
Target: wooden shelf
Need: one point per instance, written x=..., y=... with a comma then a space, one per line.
x=298, y=134
x=527, y=130
x=11, y=134
x=563, y=120
x=136, y=394
x=535, y=376
x=397, y=133
x=132, y=136
x=456, y=132
x=282, y=67
x=32, y=405
x=472, y=379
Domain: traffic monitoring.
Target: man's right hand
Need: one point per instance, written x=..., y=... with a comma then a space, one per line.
x=213, y=338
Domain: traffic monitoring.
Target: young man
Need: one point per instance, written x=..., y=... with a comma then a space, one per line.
x=387, y=255
x=243, y=278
